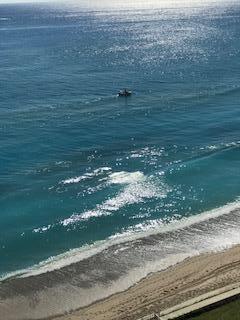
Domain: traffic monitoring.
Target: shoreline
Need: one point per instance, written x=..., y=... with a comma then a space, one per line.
x=165, y=289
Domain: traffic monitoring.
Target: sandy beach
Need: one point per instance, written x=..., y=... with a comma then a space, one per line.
x=186, y=280
x=116, y=207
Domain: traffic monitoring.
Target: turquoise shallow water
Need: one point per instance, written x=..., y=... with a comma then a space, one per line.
x=79, y=165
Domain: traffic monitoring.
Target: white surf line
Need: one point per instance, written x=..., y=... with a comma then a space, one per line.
x=79, y=254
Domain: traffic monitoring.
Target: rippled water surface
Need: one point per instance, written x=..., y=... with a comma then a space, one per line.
x=86, y=171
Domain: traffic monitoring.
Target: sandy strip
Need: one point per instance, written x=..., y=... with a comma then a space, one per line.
x=165, y=289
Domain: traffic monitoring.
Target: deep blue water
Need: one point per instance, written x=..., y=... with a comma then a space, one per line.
x=78, y=164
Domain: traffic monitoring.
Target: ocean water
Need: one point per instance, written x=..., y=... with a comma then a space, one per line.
x=98, y=191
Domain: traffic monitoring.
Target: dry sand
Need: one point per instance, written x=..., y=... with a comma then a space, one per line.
x=164, y=289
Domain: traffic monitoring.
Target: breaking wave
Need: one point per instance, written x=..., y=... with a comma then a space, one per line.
x=86, y=176
x=212, y=220
x=138, y=188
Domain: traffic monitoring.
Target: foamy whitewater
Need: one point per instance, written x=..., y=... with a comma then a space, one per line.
x=98, y=191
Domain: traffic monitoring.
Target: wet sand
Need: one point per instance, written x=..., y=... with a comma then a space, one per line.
x=161, y=290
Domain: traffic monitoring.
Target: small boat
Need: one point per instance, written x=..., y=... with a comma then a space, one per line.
x=124, y=93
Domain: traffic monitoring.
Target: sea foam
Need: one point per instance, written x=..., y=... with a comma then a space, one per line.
x=86, y=176
x=209, y=241
x=138, y=188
